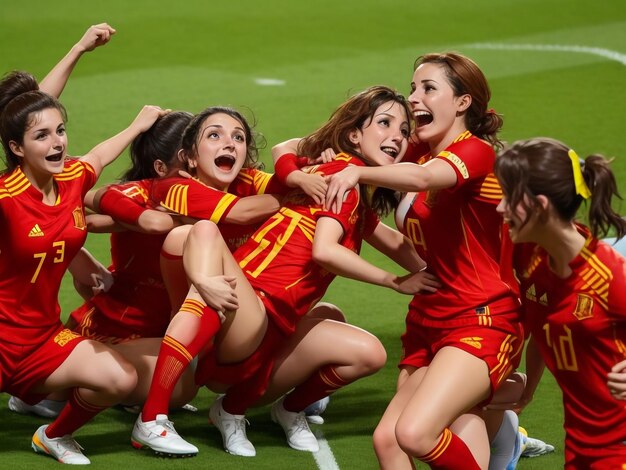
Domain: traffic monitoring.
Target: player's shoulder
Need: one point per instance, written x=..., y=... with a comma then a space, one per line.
x=12, y=184
x=468, y=144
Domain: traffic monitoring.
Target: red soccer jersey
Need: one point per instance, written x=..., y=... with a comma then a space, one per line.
x=137, y=305
x=37, y=243
x=192, y=198
x=277, y=258
x=579, y=324
x=251, y=181
x=457, y=232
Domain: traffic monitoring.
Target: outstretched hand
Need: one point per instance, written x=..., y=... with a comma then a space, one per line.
x=96, y=36
x=338, y=185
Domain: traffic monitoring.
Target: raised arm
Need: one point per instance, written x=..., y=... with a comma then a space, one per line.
x=95, y=36
x=104, y=153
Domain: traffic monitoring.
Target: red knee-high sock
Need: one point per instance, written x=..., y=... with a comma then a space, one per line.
x=76, y=412
x=174, y=357
x=321, y=384
x=450, y=453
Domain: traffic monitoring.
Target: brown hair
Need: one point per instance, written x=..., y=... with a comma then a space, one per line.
x=192, y=133
x=466, y=78
x=351, y=115
x=20, y=102
x=529, y=168
x=161, y=142
x=335, y=133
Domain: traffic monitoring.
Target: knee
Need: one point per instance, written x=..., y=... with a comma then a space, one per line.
x=204, y=229
x=372, y=355
x=412, y=438
x=121, y=380
x=384, y=440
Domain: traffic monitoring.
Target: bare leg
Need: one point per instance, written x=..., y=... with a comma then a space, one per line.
x=389, y=453
x=455, y=382
x=143, y=353
x=355, y=354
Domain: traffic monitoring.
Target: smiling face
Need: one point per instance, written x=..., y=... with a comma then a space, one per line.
x=437, y=112
x=221, y=151
x=383, y=139
x=43, y=148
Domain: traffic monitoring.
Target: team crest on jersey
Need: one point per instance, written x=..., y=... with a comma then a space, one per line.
x=65, y=336
x=584, y=307
x=79, y=218
x=474, y=341
x=35, y=232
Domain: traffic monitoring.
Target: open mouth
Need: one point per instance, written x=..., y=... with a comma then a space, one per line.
x=225, y=162
x=57, y=157
x=423, y=118
x=391, y=151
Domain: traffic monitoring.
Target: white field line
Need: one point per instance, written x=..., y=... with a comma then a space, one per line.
x=606, y=53
x=269, y=81
x=324, y=457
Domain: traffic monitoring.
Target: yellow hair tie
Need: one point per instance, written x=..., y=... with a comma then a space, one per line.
x=579, y=181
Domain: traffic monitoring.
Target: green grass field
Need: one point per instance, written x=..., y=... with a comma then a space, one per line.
x=556, y=68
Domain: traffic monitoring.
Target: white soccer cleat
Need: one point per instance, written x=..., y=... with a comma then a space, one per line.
x=314, y=411
x=45, y=408
x=233, y=430
x=160, y=436
x=536, y=447
x=65, y=449
x=296, y=428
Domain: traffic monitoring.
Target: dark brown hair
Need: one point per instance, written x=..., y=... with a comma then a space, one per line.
x=161, y=142
x=20, y=103
x=466, y=78
x=542, y=166
x=192, y=134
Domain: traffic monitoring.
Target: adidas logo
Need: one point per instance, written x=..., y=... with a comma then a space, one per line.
x=35, y=231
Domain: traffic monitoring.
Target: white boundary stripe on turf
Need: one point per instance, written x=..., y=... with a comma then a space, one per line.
x=269, y=81
x=606, y=53
x=324, y=457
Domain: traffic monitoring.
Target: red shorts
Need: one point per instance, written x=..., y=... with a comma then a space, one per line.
x=499, y=348
x=109, y=320
x=259, y=363
x=607, y=458
x=24, y=367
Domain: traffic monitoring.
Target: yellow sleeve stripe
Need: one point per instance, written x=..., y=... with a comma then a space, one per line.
x=176, y=199
x=245, y=177
x=490, y=188
x=17, y=184
x=261, y=180
x=224, y=204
